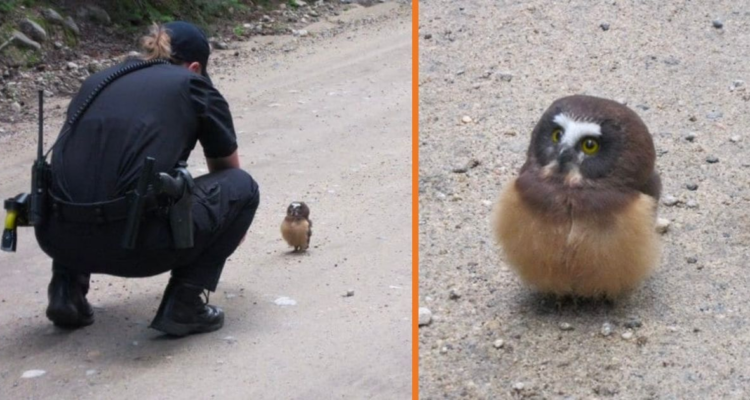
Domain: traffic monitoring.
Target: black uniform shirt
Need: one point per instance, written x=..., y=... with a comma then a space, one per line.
x=159, y=111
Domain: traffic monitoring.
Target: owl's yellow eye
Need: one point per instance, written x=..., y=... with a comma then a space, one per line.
x=590, y=146
x=556, y=135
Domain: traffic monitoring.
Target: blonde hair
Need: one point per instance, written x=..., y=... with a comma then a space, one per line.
x=156, y=44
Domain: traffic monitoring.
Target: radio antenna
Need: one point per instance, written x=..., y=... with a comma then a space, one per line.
x=40, y=144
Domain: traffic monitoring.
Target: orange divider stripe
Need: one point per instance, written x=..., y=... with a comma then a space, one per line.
x=415, y=197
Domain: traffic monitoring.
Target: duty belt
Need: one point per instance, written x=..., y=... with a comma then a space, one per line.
x=98, y=213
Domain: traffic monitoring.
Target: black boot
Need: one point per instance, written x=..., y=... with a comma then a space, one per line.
x=183, y=311
x=68, y=307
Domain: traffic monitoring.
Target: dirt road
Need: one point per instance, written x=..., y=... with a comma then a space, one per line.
x=685, y=333
x=325, y=120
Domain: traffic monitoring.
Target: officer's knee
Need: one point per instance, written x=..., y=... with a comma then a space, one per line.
x=245, y=188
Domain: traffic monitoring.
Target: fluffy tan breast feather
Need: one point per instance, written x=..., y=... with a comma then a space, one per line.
x=578, y=257
x=296, y=233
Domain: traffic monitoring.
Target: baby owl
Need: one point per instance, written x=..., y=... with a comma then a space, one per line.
x=296, y=228
x=579, y=218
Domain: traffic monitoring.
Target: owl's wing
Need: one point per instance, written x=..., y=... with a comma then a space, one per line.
x=652, y=187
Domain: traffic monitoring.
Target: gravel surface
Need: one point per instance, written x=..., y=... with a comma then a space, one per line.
x=487, y=72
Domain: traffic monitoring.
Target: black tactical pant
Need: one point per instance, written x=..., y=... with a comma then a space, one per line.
x=224, y=204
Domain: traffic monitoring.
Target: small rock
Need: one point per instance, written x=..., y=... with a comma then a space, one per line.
x=498, y=344
x=52, y=16
x=692, y=204
x=33, y=373
x=33, y=30
x=518, y=386
x=90, y=372
x=428, y=36
x=504, y=76
x=736, y=85
x=425, y=316
x=466, y=119
x=735, y=139
x=230, y=339
x=564, y=326
x=669, y=201
x=662, y=225
x=606, y=329
x=691, y=186
x=604, y=26
x=94, y=13
x=690, y=137
x=691, y=260
x=717, y=23
x=16, y=107
x=714, y=115
x=285, y=301
x=58, y=45
x=71, y=66
x=20, y=40
x=219, y=44
x=72, y=26
x=712, y=159
x=627, y=335
x=301, y=33
x=94, y=67
x=633, y=323
x=349, y=293
x=454, y=294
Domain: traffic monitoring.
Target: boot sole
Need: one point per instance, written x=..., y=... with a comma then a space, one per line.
x=178, y=329
x=69, y=318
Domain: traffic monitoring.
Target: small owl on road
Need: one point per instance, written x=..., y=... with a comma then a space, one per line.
x=296, y=228
x=579, y=218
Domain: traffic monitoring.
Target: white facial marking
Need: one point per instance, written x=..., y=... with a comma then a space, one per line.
x=574, y=130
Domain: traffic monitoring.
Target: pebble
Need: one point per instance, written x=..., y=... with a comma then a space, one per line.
x=690, y=137
x=466, y=119
x=691, y=260
x=454, y=294
x=90, y=372
x=714, y=115
x=33, y=373
x=604, y=26
x=606, y=329
x=58, y=45
x=692, y=186
x=712, y=159
x=518, y=386
x=71, y=66
x=425, y=316
x=504, y=76
x=669, y=201
x=16, y=107
x=498, y=344
x=662, y=225
x=349, y=293
x=717, y=23
x=428, y=36
x=627, y=335
x=285, y=301
x=735, y=139
x=633, y=323
x=692, y=204
x=564, y=326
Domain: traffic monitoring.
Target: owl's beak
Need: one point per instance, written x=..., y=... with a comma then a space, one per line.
x=565, y=158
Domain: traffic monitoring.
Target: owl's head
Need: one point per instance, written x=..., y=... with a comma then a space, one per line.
x=582, y=139
x=298, y=209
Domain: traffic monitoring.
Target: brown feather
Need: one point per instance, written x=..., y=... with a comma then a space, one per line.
x=296, y=232
x=577, y=254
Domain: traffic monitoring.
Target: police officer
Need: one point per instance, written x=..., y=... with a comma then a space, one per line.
x=159, y=111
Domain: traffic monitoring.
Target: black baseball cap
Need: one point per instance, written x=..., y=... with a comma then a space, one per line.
x=189, y=43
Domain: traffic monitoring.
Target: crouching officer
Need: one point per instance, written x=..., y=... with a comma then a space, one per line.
x=102, y=196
